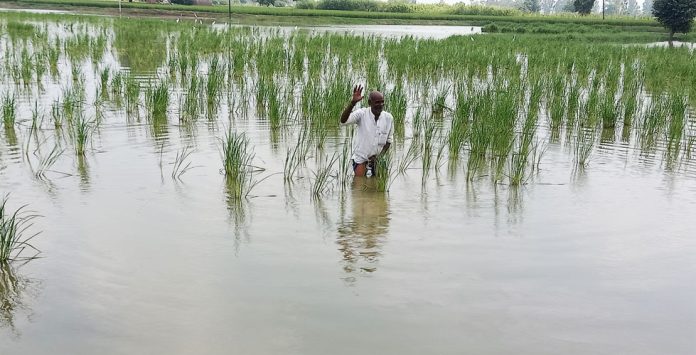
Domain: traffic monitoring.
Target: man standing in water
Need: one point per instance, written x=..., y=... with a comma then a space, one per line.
x=374, y=133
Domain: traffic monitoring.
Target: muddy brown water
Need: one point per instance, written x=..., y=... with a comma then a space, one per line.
x=600, y=261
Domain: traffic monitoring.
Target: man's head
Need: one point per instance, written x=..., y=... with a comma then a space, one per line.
x=376, y=102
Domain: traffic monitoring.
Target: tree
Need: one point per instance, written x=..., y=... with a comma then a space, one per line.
x=266, y=2
x=675, y=15
x=532, y=6
x=583, y=7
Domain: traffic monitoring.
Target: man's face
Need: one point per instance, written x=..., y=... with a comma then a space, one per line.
x=376, y=102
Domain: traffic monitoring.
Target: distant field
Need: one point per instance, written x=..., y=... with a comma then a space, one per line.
x=363, y=15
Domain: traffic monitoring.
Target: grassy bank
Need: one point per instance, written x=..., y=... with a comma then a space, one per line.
x=362, y=15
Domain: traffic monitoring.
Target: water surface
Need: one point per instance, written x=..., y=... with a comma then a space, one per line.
x=577, y=261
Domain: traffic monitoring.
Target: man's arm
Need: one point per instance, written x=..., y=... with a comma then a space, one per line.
x=357, y=96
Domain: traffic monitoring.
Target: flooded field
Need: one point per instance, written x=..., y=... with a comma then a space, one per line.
x=538, y=198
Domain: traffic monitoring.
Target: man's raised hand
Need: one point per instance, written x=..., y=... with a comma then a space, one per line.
x=357, y=94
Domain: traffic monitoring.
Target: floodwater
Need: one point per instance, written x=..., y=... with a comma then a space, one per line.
x=387, y=31
x=35, y=11
x=434, y=32
x=675, y=44
x=598, y=261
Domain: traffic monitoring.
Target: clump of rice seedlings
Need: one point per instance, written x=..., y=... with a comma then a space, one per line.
x=104, y=82
x=274, y=110
x=183, y=62
x=214, y=85
x=322, y=177
x=584, y=144
x=418, y=123
x=440, y=155
x=53, y=56
x=458, y=129
x=72, y=104
x=56, y=115
x=77, y=74
x=27, y=67
x=429, y=136
x=295, y=157
x=82, y=131
x=502, y=129
x=39, y=67
x=557, y=102
x=591, y=106
x=630, y=106
x=181, y=165
x=132, y=93
x=158, y=100
x=573, y=105
x=344, y=167
x=45, y=163
x=609, y=111
x=35, y=125
x=9, y=109
x=383, y=166
x=440, y=103
x=14, y=226
x=396, y=105
x=237, y=156
x=117, y=82
x=190, y=105
x=409, y=157
x=675, y=129
x=517, y=168
x=654, y=122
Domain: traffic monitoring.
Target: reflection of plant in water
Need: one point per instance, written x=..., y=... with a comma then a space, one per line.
x=13, y=291
x=140, y=52
x=361, y=236
x=237, y=212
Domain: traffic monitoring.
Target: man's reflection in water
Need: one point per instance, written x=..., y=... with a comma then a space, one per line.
x=362, y=233
x=13, y=292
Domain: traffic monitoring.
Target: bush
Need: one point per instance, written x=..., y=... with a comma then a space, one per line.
x=182, y=2
x=462, y=9
x=491, y=28
x=354, y=5
x=397, y=6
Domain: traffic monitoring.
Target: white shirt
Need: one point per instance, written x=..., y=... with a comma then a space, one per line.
x=370, y=135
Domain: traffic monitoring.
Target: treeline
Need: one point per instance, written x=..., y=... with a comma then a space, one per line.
x=404, y=7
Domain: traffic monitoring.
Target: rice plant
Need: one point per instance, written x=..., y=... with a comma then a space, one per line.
x=214, y=85
x=584, y=145
x=295, y=156
x=181, y=165
x=677, y=123
x=132, y=93
x=82, y=132
x=237, y=157
x=9, y=109
x=46, y=162
x=344, y=165
x=383, y=167
x=158, y=101
x=14, y=232
x=322, y=177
